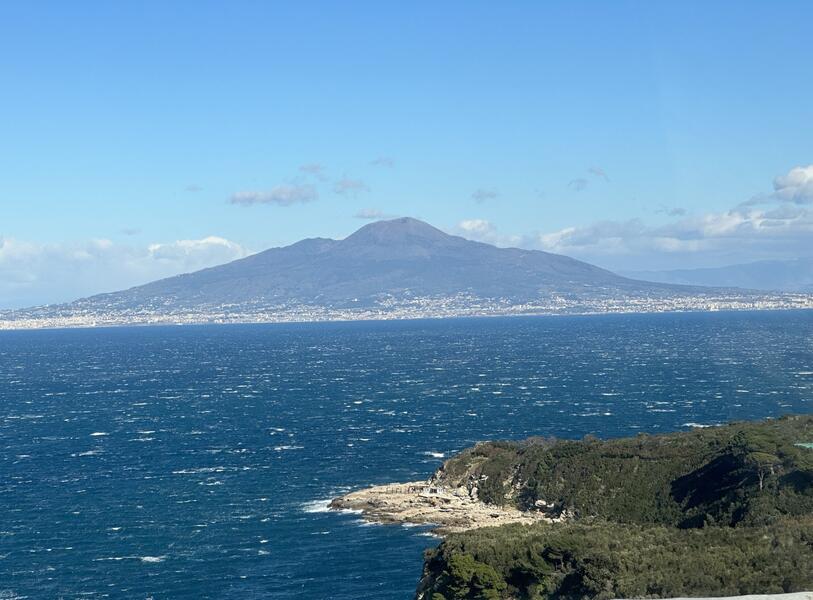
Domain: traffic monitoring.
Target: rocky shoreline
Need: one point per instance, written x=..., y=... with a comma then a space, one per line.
x=454, y=510
x=426, y=503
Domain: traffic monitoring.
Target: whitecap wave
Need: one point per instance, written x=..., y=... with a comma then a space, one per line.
x=88, y=453
x=316, y=506
x=434, y=454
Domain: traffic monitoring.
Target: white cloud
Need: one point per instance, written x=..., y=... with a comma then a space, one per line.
x=775, y=225
x=383, y=161
x=579, y=184
x=372, y=214
x=482, y=230
x=209, y=250
x=738, y=235
x=32, y=273
x=481, y=195
x=350, y=187
x=675, y=211
x=478, y=227
x=315, y=170
x=795, y=186
x=281, y=195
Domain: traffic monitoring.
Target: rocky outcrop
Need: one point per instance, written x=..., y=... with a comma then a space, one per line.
x=429, y=503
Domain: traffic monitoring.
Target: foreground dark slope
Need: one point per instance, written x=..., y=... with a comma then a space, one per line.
x=719, y=511
x=403, y=258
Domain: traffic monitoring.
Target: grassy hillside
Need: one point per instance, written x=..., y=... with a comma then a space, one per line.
x=718, y=511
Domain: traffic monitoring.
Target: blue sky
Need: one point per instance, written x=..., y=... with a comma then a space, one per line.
x=144, y=139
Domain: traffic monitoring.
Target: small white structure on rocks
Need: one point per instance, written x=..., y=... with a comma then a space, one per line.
x=427, y=490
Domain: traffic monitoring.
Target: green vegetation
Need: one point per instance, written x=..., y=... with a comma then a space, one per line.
x=718, y=511
x=621, y=561
x=743, y=472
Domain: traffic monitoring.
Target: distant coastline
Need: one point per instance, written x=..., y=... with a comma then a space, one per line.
x=73, y=316
x=390, y=270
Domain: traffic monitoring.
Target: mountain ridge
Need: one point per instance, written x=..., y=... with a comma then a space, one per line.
x=395, y=269
x=794, y=275
x=399, y=256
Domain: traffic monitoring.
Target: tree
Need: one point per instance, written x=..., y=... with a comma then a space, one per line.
x=764, y=463
x=468, y=579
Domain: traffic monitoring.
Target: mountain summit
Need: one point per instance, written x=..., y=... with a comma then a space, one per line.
x=399, y=258
x=397, y=238
x=401, y=268
x=397, y=231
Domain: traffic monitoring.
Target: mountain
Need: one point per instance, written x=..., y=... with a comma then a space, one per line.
x=778, y=275
x=399, y=258
x=403, y=268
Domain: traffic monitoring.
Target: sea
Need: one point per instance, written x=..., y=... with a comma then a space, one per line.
x=197, y=461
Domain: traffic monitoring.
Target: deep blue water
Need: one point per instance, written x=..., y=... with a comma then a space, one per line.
x=193, y=462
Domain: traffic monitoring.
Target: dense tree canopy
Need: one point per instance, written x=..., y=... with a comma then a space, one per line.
x=718, y=511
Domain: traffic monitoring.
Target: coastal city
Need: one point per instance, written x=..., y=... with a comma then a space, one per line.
x=96, y=314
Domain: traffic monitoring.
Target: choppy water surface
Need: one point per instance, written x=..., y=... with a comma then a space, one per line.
x=194, y=462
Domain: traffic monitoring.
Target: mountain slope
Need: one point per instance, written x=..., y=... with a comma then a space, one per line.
x=402, y=258
x=782, y=275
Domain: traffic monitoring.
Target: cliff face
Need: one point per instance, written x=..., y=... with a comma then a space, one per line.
x=719, y=511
